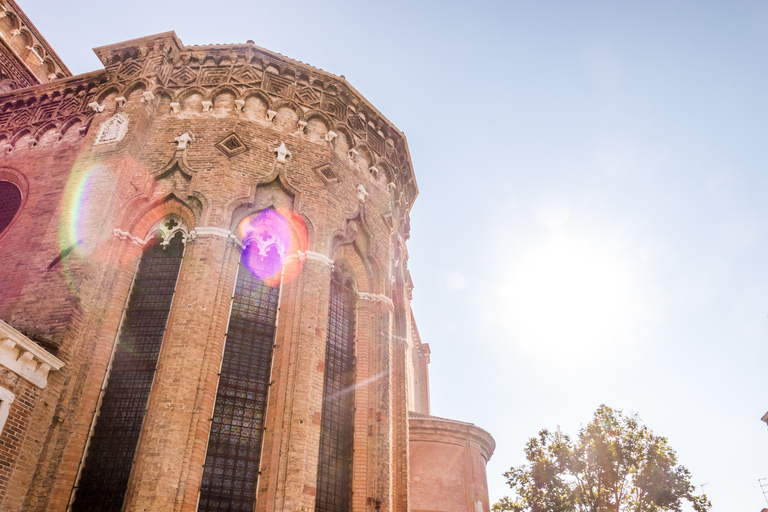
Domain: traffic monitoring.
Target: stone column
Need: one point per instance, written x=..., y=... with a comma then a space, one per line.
x=171, y=451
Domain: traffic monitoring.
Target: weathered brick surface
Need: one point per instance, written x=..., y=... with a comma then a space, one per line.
x=71, y=255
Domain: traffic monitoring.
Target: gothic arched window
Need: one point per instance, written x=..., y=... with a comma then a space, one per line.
x=334, y=471
x=107, y=466
x=230, y=474
x=10, y=202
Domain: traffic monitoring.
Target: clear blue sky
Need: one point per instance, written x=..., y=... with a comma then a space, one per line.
x=592, y=225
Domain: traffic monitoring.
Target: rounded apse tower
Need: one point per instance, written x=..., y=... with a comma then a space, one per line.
x=211, y=245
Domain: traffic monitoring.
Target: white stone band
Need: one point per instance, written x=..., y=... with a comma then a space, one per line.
x=124, y=235
x=210, y=230
x=376, y=297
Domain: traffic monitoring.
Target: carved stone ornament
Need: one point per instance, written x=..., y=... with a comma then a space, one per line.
x=112, y=130
x=271, y=115
x=352, y=155
x=362, y=194
x=96, y=107
x=175, y=107
x=330, y=136
x=120, y=101
x=239, y=104
x=207, y=105
x=184, y=139
x=302, y=125
x=26, y=358
x=374, y=171
x=147, y=96
x=282, y=152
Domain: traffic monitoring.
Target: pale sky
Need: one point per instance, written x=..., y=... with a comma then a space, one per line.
x=592, y=224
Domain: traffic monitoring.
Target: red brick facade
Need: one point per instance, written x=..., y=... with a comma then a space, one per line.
x=100, y=159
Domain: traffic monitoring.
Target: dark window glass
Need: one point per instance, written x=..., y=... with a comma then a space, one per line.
x=10, y=201
x=234, y=447
x=108, y=464
x=334, y=472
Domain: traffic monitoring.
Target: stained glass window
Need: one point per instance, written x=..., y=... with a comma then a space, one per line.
x=334, y=472
x=10, y=201
x=231, y=466
x=104, y=478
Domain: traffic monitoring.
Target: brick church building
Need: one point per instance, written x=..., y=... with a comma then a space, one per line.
x=204, y=290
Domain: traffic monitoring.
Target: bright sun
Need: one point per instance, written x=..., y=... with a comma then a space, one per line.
x=570, y=300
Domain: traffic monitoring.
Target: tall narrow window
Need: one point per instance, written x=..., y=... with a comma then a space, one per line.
x=234, y=447
x=334, y=472
x=10, y=202
x=104, y=478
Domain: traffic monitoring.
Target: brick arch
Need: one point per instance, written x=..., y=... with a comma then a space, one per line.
x=139, y=219
x=133, y=87
x=106, y=91
x=360, y=267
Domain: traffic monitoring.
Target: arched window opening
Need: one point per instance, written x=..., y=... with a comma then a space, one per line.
x=10, y=202
x=230, y=474
x=334, y=472
x=107, y=466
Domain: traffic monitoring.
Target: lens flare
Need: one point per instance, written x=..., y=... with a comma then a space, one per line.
x=270, y=238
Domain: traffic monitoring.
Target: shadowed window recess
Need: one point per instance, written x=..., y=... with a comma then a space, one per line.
x=111, y=450
x=10, y=202
x=230, y=474
x=334, y=472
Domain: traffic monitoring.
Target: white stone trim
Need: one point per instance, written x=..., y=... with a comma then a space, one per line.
x=124, y=235
x=312, y=255
x=210, y=230
x=25, y=358
x=376, y=297
x=309, y=255
x=112, y=130
x=6, y=399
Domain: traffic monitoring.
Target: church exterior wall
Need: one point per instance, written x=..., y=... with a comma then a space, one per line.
x=210, y=135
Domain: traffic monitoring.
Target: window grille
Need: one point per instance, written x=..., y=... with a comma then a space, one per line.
x=231, y=466
x=104, y=478
x=334, y=472
x=10, y=202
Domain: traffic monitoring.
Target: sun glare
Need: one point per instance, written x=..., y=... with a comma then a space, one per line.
x=570, y=300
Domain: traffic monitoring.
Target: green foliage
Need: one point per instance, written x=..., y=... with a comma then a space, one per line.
x=617, y=464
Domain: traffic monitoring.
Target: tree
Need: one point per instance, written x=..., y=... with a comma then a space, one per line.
x=616, y=464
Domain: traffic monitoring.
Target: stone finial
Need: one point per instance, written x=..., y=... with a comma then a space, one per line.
x=330, y=136
x=147, y=96
x=184, y=139
x=95, y=106
x=120, y=101
x=239, y=104
x=302, y=125
x=362, y=194
x=207, y=106
x=282, y=152
x=175, y=107
x=271, y=115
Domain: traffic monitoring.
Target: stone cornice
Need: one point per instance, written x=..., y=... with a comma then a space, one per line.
x=166, y=66
x=422, y=427
x=24, y=357
x=49, y=52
